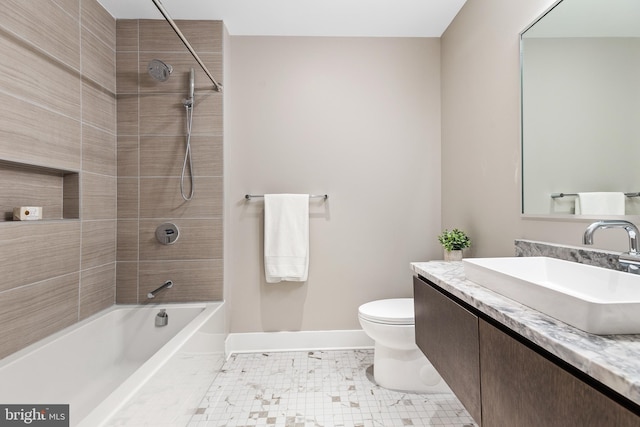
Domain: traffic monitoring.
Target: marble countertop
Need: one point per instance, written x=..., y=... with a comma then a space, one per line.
x=614, y=360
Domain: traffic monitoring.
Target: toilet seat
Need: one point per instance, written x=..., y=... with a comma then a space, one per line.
x=397, y=311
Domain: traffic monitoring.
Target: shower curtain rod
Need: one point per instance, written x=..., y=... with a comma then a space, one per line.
x=164, y=13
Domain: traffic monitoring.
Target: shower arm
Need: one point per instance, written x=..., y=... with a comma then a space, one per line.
x=164, y=13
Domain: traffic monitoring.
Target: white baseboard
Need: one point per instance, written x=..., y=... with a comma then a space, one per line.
x=255, y=342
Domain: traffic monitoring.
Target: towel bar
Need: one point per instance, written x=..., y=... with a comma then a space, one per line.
x=312, y=196
x=559, y=195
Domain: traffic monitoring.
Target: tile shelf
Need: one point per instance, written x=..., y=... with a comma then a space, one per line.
x=56, y=190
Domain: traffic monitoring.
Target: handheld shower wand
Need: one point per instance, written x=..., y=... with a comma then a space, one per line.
x=188, y=162
x=192, y=83
x=188, y=103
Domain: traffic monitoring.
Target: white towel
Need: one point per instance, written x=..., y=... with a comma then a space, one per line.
x=286, y=237
x=604, y=203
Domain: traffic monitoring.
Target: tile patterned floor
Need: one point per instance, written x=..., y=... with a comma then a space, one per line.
x=317, y=389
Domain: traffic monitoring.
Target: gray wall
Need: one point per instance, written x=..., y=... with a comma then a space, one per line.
x=481, y=133
x=358, y=119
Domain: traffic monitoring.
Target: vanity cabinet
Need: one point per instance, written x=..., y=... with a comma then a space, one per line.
x=502, y=378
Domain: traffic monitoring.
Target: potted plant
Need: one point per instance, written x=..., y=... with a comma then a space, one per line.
x=454, y=242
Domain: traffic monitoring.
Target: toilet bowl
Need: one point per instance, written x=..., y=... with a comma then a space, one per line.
x=398, y=363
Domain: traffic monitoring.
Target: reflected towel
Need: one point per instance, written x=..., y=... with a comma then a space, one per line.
x=286, y=237
x=604, y=203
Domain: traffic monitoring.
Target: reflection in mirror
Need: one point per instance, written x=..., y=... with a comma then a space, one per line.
x=581, y=107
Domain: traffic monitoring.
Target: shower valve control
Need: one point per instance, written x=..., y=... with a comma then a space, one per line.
x=167, y=233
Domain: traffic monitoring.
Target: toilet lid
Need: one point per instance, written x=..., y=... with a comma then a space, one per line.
x=397, y=311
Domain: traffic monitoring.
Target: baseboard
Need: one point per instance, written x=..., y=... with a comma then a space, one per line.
x=255, y=342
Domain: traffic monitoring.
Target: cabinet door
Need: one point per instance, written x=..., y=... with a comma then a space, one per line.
x=448, y=335
x=522, y=388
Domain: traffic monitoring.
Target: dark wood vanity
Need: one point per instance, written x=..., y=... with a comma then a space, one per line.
x=502, y=378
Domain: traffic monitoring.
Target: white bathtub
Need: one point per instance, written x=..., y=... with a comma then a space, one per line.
x=101, y=363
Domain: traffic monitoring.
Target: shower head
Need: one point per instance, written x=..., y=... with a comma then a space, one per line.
x=159, y=70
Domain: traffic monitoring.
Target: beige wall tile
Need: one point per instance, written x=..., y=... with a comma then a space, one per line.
x=30, y=313
x=192, y=280
x=34, y=135
x=157, y=35
x=21, y=186
x=43, y=48
x=128, y=114
x=97, y=289
x=160, y=198
x=199, y=239
x=127, y=73
x=98, y=108
x=98, y=196
x=127, y=240
x=164, y=155
x=35, y=251
x=127, y=198
x=126, y=282
x=127, y=35
x=98, y=151
x=163, y=114
x=39, y=23
x=98, y=243
x=98, y=61
x=181, y=62
x=153, y=152
x=127, y=156
x=72, y=7
x=30, y=74
x=100, y=22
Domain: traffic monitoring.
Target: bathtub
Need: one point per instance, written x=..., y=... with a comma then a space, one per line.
x=101, y=364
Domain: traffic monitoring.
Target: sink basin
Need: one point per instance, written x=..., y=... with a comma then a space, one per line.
x=594, y=299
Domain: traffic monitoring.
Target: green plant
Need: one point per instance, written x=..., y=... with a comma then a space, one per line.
x=454, y=240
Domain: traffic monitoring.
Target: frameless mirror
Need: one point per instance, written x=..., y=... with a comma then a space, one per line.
x=580, y=65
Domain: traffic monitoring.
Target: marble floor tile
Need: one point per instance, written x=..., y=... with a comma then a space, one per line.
x=317, y=389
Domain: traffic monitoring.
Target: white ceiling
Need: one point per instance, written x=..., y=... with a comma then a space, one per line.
x=357, y=18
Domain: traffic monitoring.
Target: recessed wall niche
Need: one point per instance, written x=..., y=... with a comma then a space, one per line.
x=56, y=190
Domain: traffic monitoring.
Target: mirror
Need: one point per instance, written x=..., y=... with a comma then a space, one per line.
x=580, y=65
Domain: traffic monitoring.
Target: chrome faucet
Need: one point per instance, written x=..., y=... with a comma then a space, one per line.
x=168, y=284
x=629, y=260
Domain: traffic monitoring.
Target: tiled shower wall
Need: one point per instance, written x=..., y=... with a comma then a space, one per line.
x=57, y=119
x=151, y=145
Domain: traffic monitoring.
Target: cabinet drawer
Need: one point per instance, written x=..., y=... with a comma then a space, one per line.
x=448, y=335
x=522, y=388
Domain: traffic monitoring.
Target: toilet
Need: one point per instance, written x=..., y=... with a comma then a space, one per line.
x=398, y=363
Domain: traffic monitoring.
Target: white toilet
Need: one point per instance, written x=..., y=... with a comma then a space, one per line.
x=398, y=363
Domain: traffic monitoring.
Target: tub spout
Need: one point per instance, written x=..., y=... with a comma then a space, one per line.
x=166, y=285
x=162, y=318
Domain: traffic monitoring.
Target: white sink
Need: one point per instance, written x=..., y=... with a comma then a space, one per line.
x=594, y=299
